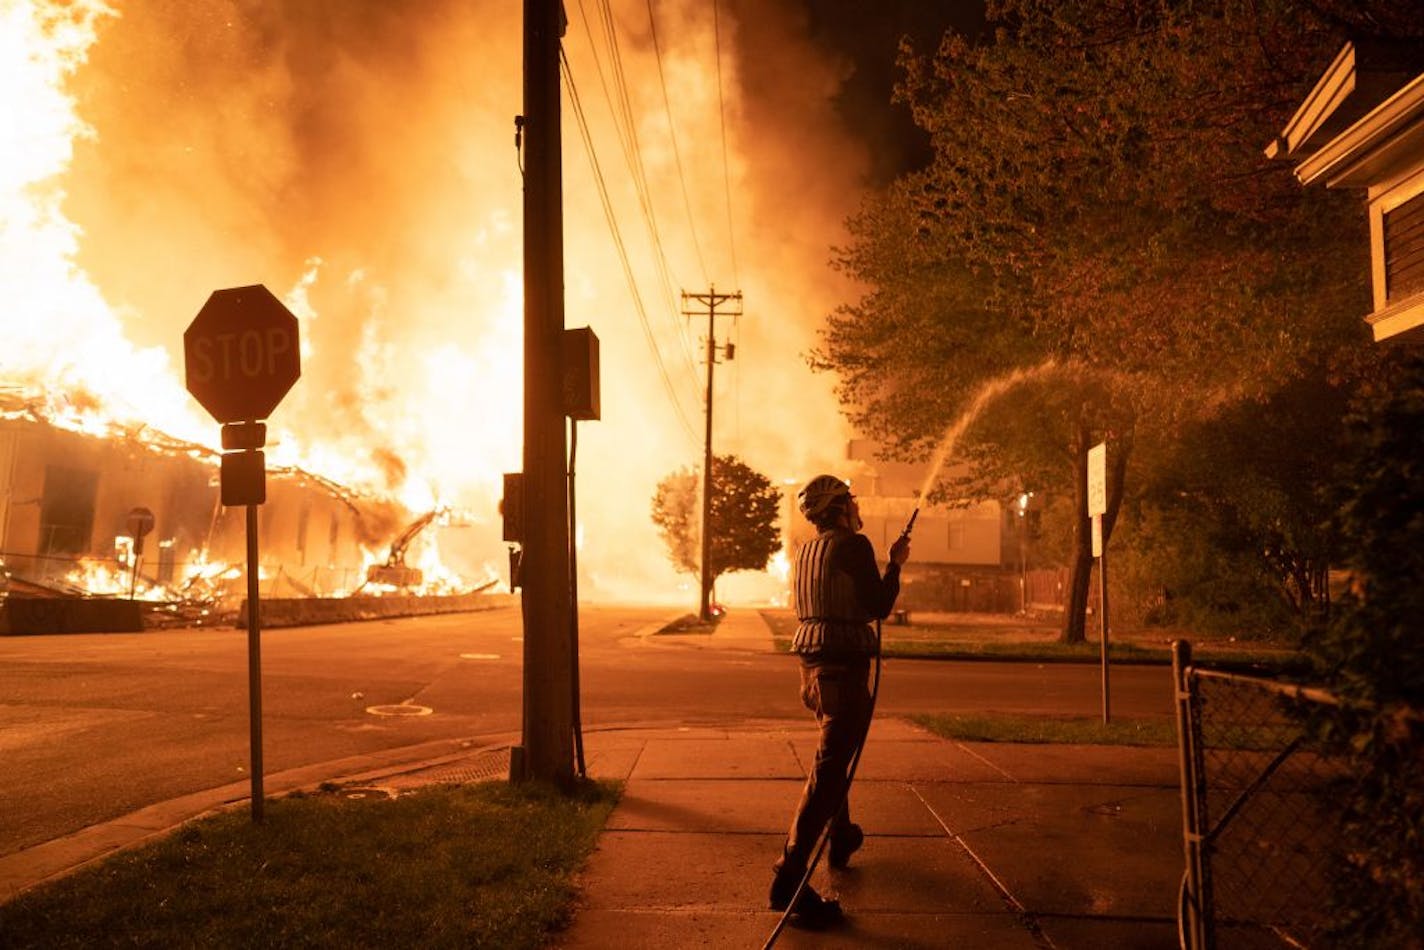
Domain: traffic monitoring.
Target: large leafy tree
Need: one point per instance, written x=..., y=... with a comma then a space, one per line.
x=1099, y=215
x=1372, y=656
x=1233, y=520
x=743, y=518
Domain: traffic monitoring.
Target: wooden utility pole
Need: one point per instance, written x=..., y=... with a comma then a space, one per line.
x=547, y=750
x=711, y=300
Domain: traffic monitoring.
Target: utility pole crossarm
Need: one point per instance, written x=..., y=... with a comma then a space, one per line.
x=710, y=301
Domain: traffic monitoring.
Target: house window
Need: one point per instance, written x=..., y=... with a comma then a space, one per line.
x=956, y=536
x=1404, y=249
x=67, y=509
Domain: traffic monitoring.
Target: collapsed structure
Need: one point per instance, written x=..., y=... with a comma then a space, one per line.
x=75, y=503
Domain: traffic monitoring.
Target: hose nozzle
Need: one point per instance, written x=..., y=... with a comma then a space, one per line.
x=910, y=526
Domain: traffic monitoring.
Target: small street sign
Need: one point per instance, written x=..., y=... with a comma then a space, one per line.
x=244, y=479
x=1098, y=479
x=139, y=523
x=1097, y=507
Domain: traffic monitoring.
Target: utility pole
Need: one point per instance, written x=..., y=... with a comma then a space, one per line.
x=547, y=749
x=711, y=300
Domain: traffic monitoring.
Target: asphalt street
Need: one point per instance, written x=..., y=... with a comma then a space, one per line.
x=97, y=726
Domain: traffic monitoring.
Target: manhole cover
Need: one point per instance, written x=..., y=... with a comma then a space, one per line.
x=403, y=709
x=366, y=792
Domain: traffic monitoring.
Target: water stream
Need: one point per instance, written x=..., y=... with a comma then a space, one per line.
x=986, y=394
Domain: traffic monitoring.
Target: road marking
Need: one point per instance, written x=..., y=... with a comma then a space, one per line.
x=479, y=656
x=403, y=709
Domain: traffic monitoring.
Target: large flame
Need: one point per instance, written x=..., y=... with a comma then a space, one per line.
x=359, y=160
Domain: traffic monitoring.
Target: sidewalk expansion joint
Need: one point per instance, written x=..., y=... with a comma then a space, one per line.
x=1029, y=920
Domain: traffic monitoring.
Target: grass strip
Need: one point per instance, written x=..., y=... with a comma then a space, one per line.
x=691, y=623
x=1049, y=729
x=482, y=865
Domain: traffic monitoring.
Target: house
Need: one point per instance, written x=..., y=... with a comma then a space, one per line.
x=67, y=500
x=965, y=558
x=1362, y=127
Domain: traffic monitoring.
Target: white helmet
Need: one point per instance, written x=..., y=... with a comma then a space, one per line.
x=821, y=493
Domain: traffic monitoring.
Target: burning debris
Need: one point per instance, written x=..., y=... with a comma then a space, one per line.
x=77, y=499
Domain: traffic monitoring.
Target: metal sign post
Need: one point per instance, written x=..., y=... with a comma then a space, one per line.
x=254, y=666
x=1097, y=507
x=140, y=523
x=241, y=356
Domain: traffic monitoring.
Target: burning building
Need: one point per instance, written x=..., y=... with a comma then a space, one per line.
x=360, y=160
x=67, y=525
x=133, y=519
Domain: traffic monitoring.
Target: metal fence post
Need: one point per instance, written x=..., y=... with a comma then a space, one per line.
x=1194, y=912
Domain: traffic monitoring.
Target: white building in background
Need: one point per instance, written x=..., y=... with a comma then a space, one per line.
x=964, y=558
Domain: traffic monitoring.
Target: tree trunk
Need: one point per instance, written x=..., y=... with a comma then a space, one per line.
x=1075, y=611
x=1075, y=614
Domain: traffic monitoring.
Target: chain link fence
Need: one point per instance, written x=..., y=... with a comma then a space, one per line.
x=1261, y=820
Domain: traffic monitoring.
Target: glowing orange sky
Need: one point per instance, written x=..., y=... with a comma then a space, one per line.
x=358, y=159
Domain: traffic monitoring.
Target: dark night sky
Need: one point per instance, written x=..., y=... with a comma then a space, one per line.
x=866, y=36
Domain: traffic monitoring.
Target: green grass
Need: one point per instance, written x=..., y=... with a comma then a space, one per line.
x=1088, y=730
x=484, y=865
x=690, y=623
x=1044, y=729
x=976, y=638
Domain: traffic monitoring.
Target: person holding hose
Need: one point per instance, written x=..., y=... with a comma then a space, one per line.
x=838, y=591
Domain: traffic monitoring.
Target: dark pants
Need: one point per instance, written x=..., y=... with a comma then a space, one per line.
x=838, y=692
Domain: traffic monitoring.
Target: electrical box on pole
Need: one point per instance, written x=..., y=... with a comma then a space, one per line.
x=241, y=356
x=580, y=352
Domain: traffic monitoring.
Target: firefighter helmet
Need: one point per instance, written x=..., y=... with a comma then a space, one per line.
x=820, y=494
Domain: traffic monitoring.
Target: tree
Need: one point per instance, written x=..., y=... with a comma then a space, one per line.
x=1234, y=517
x=1371, y=655
x=1099, y=204
x=743, y=518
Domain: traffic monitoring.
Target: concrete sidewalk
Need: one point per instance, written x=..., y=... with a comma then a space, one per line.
x=976, y=845
x=968, y=844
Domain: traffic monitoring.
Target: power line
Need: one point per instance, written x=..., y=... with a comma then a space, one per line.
x=582, y=122
x=726, y=170
x=625, y=125
x=672, y=135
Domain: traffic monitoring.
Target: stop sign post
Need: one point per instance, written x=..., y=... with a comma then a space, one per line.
x=240, y=357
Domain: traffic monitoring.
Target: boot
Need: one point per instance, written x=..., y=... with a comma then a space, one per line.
x=845, y=841
x=812, y=911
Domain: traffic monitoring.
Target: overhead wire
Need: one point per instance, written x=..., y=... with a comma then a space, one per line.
x=626, y=126
x=676, y=152
x=726, y=167
x=638, y=305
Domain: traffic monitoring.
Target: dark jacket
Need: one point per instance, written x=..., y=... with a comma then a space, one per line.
x=837, y=591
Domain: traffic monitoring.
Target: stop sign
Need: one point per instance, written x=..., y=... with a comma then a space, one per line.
x=240, y=354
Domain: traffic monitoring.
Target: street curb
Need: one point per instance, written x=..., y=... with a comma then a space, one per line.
x=51, y=860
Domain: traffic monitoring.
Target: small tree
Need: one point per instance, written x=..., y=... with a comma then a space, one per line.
x=743, y=518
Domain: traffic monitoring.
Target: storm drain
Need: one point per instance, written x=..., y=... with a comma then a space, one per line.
x=484, y=766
